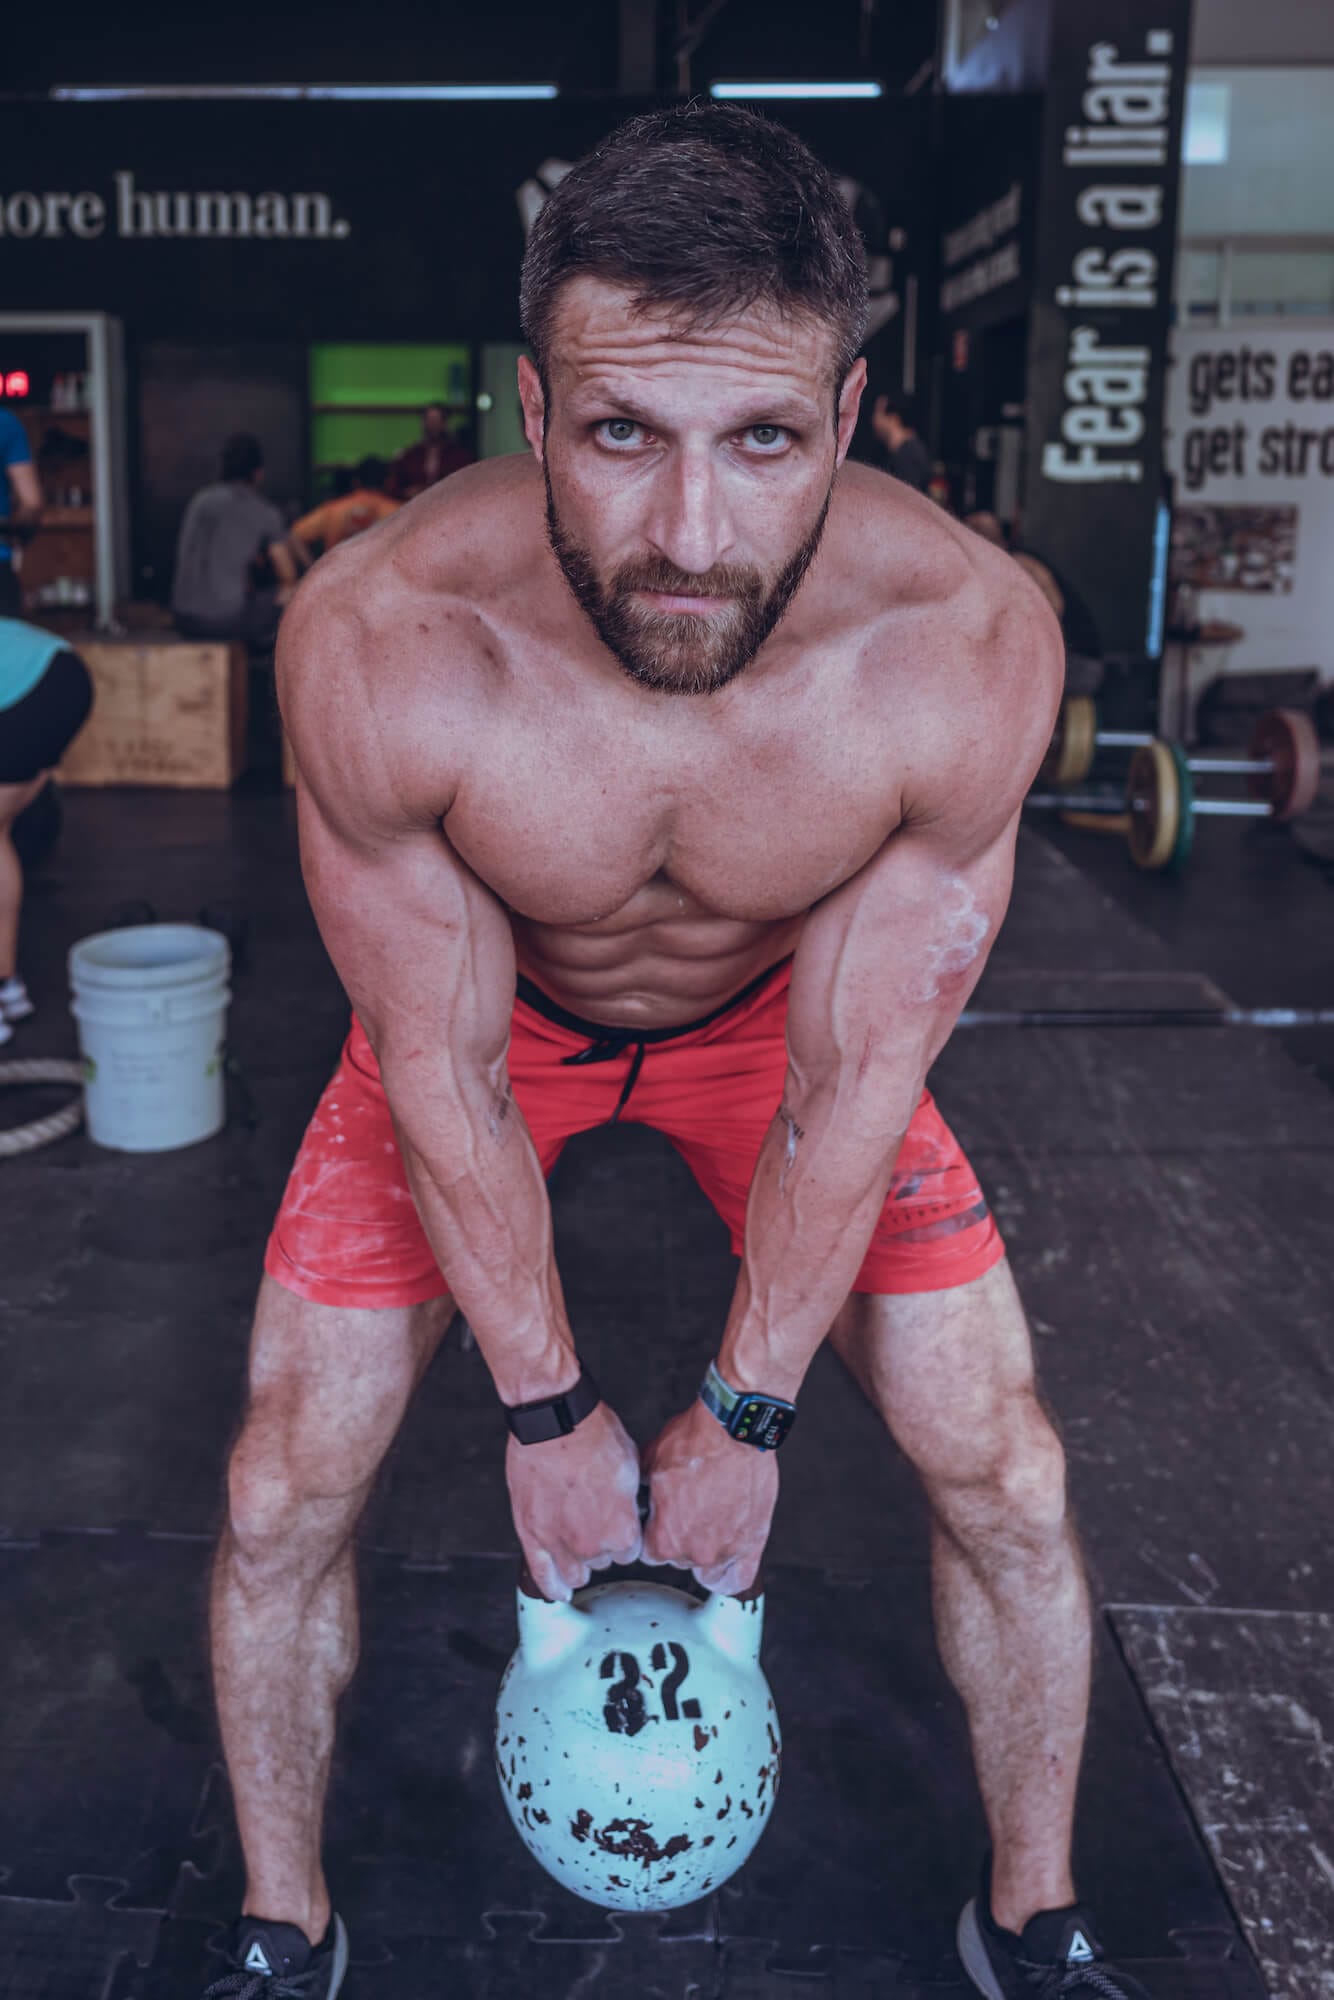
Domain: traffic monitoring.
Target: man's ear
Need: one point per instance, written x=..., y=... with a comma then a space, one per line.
x=533, y=399
x=849, y=403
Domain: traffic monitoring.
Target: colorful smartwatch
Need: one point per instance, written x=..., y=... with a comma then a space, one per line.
x=553, y=1416
x=750, y=1418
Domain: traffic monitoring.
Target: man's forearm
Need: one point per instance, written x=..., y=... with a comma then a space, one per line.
x=479, y=1190
x=819, y=1186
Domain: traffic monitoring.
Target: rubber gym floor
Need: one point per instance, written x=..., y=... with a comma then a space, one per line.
x=1166, y=1197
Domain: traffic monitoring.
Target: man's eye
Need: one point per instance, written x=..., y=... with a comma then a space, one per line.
x=767, y=436
x=618, y=430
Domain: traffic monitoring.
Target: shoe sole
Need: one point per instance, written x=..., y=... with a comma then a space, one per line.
x=339, y=1972
x=974, y=1956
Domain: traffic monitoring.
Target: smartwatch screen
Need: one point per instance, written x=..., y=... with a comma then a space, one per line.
x=757, y=1421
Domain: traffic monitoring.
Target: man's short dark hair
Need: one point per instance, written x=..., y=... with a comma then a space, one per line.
x=703, y=212
x=372, y=473
x=242, y=456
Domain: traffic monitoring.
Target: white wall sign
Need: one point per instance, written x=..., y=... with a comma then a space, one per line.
x=1250, y=442
x=133, y=211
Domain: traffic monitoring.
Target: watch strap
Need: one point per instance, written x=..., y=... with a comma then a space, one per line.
x=550, y=1417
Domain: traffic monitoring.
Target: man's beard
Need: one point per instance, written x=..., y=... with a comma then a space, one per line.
x=681, y=652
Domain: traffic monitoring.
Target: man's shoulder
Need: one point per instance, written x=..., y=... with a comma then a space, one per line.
x=957, y=644
x=416, y=600
x=459, y=547
x=909, y=556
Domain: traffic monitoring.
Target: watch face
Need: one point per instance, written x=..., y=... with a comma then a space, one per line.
x=757, y=1421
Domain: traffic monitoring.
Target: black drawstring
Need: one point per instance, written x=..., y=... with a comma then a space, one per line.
x=606, y=1044
x=607, y=1050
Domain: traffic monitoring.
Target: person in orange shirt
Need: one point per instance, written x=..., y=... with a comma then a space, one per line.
x=338, y=520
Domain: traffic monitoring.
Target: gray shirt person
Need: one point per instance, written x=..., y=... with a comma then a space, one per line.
x=227, y=528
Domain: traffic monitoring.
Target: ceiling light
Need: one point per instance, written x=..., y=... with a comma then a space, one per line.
x=398, y=93
x=796, y=90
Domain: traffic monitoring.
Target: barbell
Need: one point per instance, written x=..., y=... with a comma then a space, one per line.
x=1282, y=761
x=1146, y=1017
x=1157, y=814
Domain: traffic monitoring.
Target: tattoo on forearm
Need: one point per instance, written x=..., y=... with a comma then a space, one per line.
x=795, y=1133
x=502, y=1103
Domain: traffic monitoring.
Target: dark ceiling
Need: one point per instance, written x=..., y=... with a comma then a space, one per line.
x=577, y=44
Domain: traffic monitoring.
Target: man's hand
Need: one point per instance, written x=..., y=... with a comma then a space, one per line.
x=574, y=1500
x=712, y=1502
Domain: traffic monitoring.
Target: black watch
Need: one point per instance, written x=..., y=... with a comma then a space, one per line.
x=553, y=1416
x=745, y=1415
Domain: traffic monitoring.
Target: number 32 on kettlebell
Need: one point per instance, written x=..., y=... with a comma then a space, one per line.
x=625, y=1709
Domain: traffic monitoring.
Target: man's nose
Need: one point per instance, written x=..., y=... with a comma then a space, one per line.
x=691, y=522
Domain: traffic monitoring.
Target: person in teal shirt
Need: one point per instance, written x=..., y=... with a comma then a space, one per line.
x=46, y=693
x=20, y=505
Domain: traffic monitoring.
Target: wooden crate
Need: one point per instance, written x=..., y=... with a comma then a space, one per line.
x=168, y=711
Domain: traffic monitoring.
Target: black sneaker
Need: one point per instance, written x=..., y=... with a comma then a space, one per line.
x=1058, y=1957
x=279, y=1962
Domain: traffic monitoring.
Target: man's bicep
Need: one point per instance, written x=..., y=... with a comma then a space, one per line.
x=423, y=947
x=886, y=963
x=421, y=944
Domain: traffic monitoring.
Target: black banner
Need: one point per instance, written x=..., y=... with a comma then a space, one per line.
x=337, y=221
x=1097, y=355
x=988, y=209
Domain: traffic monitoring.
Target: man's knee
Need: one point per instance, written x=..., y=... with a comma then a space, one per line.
x=281, y=1515
x=1004, y=1486
x=299, y=1473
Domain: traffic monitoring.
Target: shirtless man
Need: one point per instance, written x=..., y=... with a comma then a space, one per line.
x=671, y=773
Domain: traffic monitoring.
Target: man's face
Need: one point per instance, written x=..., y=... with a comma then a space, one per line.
x=688, y=476
x=433, y=424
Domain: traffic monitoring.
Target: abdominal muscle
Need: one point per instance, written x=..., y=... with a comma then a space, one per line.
x=660, y=961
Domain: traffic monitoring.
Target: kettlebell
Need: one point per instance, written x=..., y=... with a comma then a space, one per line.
x=637, y=1742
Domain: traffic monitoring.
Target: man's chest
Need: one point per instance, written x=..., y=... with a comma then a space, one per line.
x=572, y=825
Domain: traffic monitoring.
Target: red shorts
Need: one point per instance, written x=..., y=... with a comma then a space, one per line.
x=347, y=1233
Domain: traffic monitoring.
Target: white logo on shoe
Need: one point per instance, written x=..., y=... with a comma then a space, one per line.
x=1080, y=1951
x=255, y=1960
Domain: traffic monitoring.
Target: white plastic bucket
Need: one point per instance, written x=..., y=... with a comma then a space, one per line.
x=151, y=1004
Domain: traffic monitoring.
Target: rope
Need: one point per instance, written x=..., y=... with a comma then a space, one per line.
x=42, y=1131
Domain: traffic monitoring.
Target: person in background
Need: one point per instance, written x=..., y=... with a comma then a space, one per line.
x=908, y=458
x=434, y=456
x=21, y=502
x=337, y=520
x=229, y=530
x=46, y=694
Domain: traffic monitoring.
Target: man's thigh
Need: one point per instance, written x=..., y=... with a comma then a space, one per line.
x=348, y=1233
x=716, y=1097
x=951, y=1371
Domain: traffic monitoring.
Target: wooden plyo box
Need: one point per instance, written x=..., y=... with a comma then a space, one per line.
x=167, y=711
